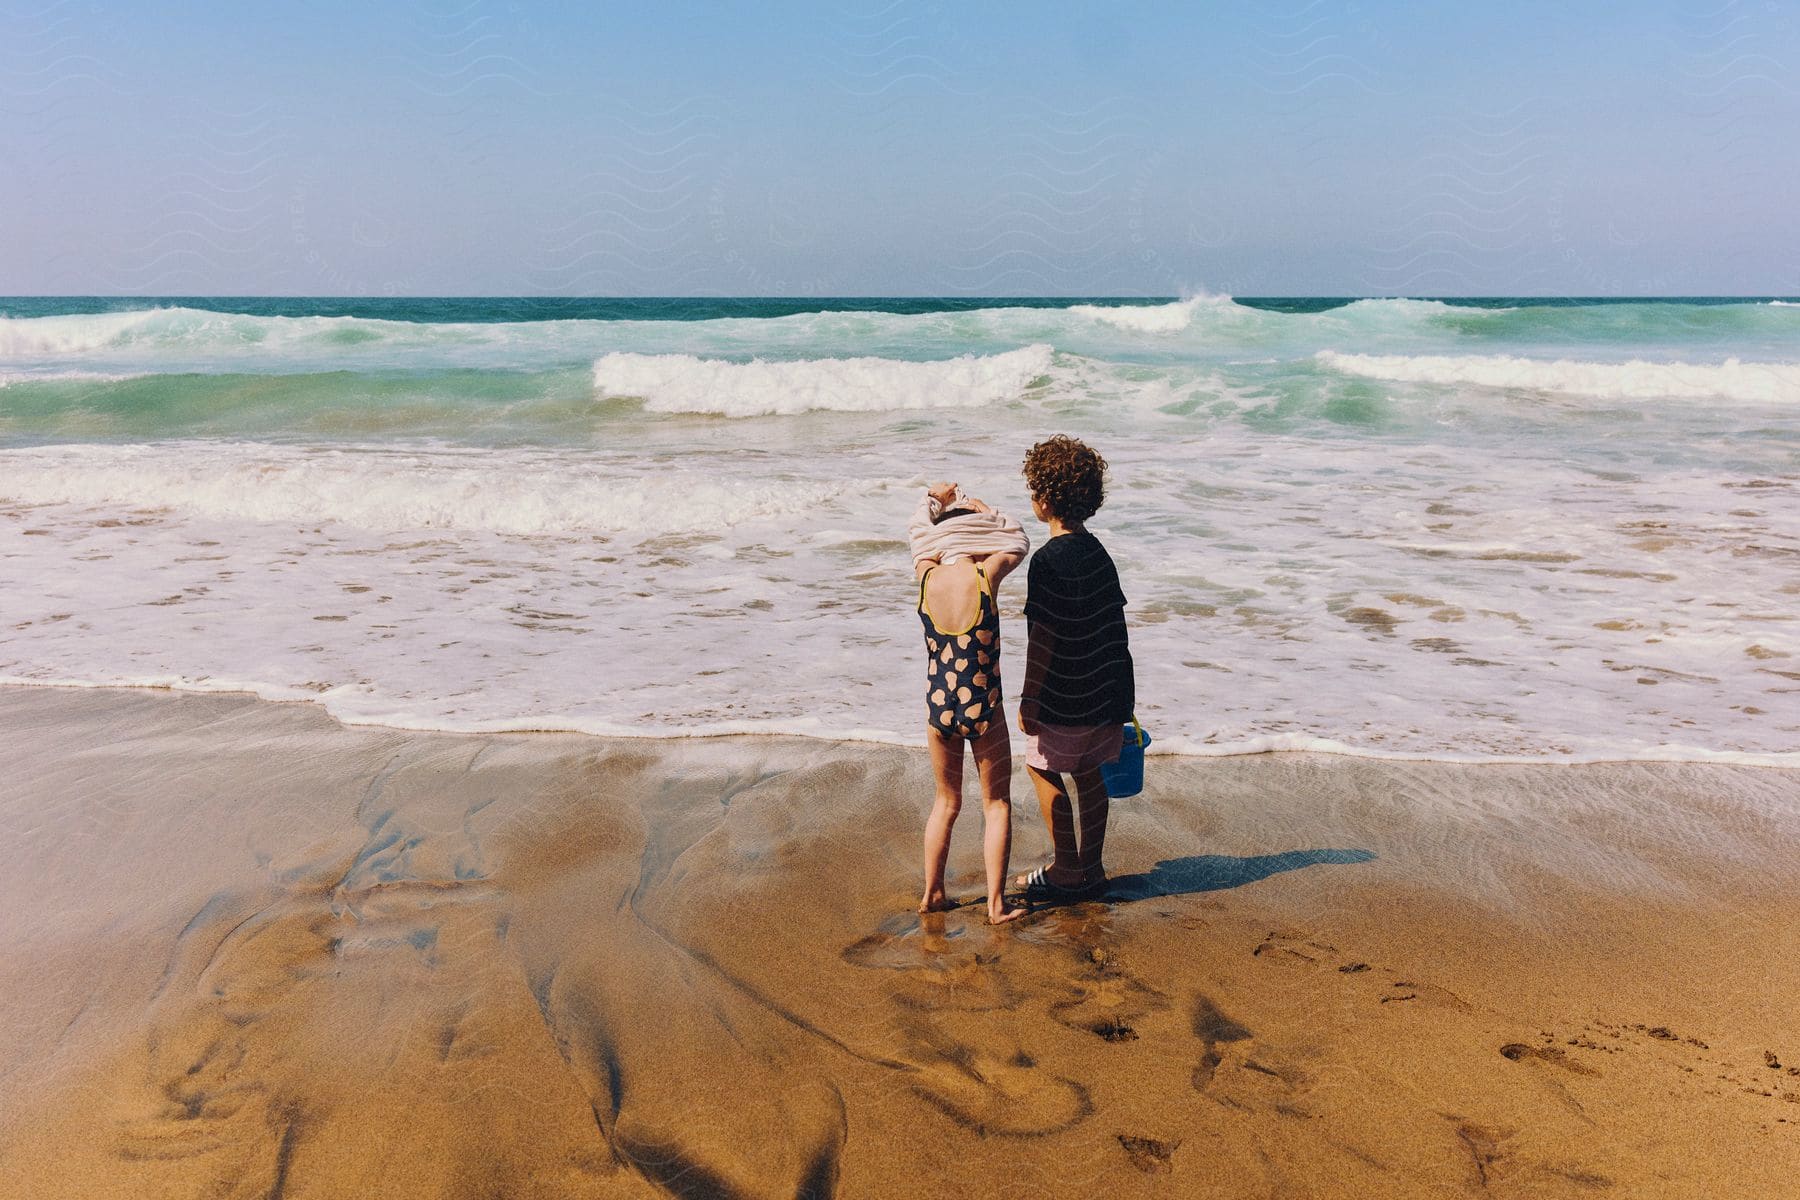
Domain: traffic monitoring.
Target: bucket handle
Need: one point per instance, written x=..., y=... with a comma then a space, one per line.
x=1139, y=729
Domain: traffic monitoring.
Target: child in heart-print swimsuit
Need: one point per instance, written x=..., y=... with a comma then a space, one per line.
x=962, y=667
x=959, y=609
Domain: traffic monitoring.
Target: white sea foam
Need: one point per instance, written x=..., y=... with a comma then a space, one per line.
x=1167, y=318
x=1152, y=318
x=1287, y=593
x=683, y=383
x=1762, y=382
x=8, y=378
x=513, y=492
x=1598, y=752
x=195, y=329
x=31, y=337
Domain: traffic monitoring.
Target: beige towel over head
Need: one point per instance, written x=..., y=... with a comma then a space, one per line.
x=932, y=535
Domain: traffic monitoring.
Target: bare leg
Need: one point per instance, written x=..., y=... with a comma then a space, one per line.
x=946, y=764
x=993, y=759
x=1059, y=819
x=1096, y=806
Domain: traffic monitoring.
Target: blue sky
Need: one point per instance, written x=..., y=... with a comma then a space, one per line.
x=1329, y=147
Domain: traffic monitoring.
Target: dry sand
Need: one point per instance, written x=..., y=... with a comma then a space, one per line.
x=245, y=952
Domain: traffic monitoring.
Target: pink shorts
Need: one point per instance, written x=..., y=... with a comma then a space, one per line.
x=1073, y=747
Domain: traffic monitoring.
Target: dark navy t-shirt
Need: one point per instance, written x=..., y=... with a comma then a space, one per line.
x=1072, y=588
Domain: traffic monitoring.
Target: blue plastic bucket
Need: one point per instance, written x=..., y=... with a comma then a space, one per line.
x=1125, y=777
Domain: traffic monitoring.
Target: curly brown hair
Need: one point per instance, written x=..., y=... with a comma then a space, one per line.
x=1068, y=476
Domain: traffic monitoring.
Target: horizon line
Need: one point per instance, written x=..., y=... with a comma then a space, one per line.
x=1161, y=298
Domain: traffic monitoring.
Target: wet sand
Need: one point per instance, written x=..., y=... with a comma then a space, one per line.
x=246, y=952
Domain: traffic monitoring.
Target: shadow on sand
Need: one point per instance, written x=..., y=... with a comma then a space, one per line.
x=1216, y=872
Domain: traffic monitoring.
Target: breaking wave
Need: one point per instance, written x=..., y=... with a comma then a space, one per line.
x=683, y=383
x=1732, y=379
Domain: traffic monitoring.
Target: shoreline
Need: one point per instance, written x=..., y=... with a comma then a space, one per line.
x=1164, y=747
x=250, y=947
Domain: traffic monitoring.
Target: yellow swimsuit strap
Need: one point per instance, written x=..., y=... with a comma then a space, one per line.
x=981, y=587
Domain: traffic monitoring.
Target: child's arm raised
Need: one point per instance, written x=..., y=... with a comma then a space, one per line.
x=999, y=566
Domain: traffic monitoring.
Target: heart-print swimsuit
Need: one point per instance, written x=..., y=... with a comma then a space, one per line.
x=962, y=674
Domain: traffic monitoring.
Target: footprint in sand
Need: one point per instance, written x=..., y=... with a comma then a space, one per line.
x=936, y=963
x=951, y=1002
x=1486, y=1147
x=1554, y=1056
x=994, y=1089
x=1105, y=1000
x=1237, y=1073
x=1699, y=1070
x=1149, y=1155
x=1289, y=947
x=1768, y=1080
x=1214, y=1029
x=1295, y=948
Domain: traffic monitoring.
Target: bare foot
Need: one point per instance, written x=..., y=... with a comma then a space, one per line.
x=1003, y=914
x=935, y=902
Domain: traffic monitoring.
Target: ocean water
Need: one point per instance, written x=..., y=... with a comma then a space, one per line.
x=1471, y=530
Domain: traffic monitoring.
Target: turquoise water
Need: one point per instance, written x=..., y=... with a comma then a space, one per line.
x=1494, y=528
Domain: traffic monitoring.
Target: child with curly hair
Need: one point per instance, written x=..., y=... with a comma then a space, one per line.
x=1079, y=688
